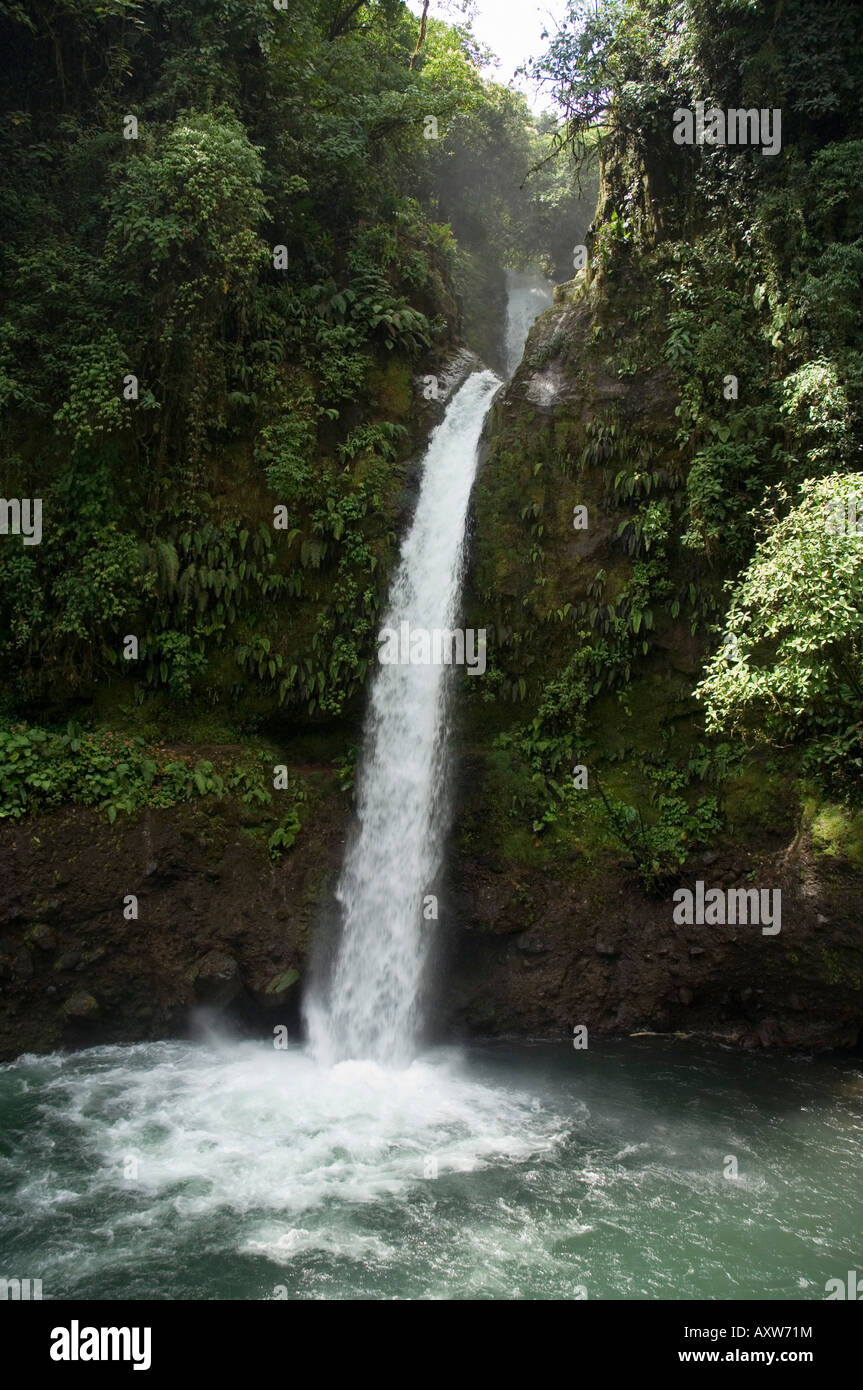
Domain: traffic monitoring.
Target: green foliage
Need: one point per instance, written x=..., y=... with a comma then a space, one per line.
x=791, y=664
x=60, y=600
x=756, y=262
x=346, y=768
x=746, y=273
x=543, y=749
x=40, y=769
x=662, y=845
x=153, y=258
x=285, y=834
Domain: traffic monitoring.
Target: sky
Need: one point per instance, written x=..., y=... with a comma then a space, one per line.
x=512, y=29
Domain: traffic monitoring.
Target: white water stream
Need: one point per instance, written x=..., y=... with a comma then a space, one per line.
x=369, y=1007
x=527, y=296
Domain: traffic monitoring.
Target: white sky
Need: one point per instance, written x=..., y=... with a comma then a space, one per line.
x=511, y=29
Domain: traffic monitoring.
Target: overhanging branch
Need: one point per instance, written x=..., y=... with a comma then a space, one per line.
x=341, y=22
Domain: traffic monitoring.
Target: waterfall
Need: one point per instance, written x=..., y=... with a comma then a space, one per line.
x=528, y=295
x=368, y=1008
x=392, y=862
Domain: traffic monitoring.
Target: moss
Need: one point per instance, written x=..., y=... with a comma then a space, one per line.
x=570, y=291
x=391, y=388
x=837, y=973
x=837, y=832
x=758, y=798
x=258, y=834
x=160, y=719
x=636, y=720
x=80, y=1006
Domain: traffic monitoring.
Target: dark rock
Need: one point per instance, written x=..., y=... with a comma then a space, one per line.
x=531, y=945
x=68, y=960
x=80, y=1006
x=262, y=920
x=217, y=979
x=43, y=936
x=22, y=964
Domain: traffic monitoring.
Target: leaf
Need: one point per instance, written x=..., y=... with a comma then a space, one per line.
x=283, y=982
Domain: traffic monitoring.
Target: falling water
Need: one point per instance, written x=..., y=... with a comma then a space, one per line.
x=369, y=1007
x=528, y=295
x=392, y=862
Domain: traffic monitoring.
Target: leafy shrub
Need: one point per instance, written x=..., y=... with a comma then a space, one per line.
x=791, y=663
x=41, y=769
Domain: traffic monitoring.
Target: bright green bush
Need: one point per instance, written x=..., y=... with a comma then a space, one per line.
x=791, y=662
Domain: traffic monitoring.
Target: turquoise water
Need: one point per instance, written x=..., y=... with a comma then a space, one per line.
x=185, y=1170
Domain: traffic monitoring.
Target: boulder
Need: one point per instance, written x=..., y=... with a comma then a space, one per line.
x=80, y=1006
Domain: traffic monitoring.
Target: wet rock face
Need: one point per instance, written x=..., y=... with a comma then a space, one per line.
x=613, y=959
x=217, y=979
x=219, y=925
x=527, y=953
